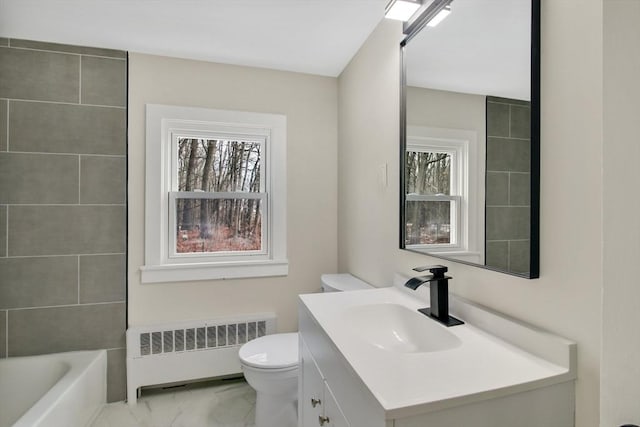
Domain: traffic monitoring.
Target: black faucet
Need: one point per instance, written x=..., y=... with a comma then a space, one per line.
x=439, y=289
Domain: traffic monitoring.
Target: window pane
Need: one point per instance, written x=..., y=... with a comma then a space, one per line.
x=216, y=165
x=428, y=223
x=428, y=173
x=218, y=225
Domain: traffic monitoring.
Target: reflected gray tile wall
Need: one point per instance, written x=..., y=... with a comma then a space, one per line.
x=3, y=333
x=3, y=124
x=498, y=254
x=3, y=231
x=507, y=223
x=519, y=254
x=497, y=188
x=63, y=201
x=519, y=189
x=508, y=184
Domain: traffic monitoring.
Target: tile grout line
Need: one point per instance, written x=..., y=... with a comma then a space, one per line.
x=67, y=305
x=8, y=103
x=65, y=204
x=509, y=188
x=78, y=279
x=79, y=179
x=80, y=80
x=6, y=333
x=65, y=255
x=6, y=249
x=66, y=53
x=509, y=120
x=122, y=156
x=65, y=103
x=515, y=138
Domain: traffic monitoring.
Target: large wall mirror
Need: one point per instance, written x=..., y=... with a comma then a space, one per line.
x=470, y=134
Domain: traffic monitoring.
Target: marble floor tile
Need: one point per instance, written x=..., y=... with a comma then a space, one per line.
x=226, y=403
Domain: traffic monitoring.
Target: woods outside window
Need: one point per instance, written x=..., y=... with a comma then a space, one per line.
x=439, y=208
x=434, y=199
x=218, y=200
x=215, y=194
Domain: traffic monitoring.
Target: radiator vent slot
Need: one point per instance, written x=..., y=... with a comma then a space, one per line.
x=200, y=338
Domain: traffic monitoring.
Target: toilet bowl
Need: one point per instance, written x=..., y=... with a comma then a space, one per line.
x=270, y=365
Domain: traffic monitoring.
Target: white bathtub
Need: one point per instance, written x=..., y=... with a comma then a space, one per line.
x=63, y=389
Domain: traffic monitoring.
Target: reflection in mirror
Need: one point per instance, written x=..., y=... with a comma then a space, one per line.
x=470, y=135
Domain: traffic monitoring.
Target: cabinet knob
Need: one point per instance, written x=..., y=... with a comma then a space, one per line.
x=315, y=402
x=323, y=420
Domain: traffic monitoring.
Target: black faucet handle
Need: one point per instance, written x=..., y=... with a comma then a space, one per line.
x=437, y=270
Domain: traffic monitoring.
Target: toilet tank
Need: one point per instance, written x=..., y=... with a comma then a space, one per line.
x=342, y=282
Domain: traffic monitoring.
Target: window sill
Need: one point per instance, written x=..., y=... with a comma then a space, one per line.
x=212, y=271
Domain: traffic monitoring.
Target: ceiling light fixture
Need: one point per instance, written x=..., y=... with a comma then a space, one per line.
x=401, y=10
x=439, y=17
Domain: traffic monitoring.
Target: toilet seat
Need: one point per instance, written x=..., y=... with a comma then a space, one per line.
x=271, y=352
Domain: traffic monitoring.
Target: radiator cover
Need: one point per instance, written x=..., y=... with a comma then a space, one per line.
x=186, y=351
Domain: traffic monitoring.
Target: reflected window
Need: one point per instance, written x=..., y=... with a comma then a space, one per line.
x=431, y=206
x=436, y=190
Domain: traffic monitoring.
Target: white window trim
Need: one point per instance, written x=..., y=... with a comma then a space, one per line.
x=163, y=123
x=469, y=158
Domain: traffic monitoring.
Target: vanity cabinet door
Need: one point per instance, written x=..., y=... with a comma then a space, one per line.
x=332, y=411
x=311, y=401
x=317, y=405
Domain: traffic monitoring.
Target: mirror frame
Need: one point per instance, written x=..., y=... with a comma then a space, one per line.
x=411, y=29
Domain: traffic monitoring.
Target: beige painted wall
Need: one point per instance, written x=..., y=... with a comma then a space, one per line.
x=309, y=102
x=621, y=205
x=443, y=109
x=567, y=297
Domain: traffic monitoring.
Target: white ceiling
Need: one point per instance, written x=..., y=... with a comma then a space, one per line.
x=482, y=47
x=309, y=36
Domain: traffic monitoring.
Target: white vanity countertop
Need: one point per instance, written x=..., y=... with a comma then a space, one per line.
x=483, y=366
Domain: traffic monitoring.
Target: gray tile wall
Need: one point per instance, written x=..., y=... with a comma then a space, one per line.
x=63, y=202
x=508, y=184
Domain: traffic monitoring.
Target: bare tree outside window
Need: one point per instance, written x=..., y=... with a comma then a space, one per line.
x=428, y=222
x=215, y=223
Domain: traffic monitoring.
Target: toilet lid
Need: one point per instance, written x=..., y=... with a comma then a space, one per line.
x=271, y=351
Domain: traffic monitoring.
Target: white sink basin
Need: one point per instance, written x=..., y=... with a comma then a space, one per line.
x=396, y=328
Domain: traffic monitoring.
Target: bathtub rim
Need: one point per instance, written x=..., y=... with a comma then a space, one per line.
x=60, y=389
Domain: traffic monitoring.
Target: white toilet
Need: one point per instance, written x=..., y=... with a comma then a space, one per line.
x=270, y=365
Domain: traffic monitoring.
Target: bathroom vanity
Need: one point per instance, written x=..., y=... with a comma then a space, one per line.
x=369, y=359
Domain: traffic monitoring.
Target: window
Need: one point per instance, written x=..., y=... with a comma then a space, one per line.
x=440, y=212
x=217, y=200
x=433, y=196
x=215, y=194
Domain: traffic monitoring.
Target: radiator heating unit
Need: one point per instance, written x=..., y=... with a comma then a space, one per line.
x=186, y=351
